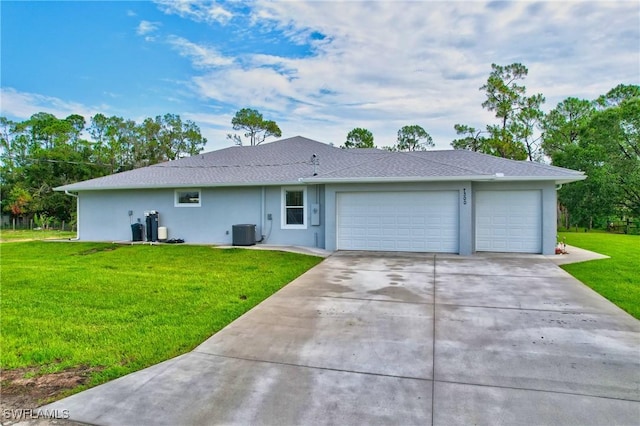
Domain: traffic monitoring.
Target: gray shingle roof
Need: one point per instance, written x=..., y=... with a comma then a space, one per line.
x=288, y=161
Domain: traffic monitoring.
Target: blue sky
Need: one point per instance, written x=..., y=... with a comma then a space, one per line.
x=317, y=68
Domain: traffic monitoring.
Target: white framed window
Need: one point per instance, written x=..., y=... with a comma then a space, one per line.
x=187, y=198
x=294, y=207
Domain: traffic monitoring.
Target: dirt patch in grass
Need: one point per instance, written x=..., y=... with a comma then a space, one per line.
x=96, y=250
x=23, y=391
x=136, y=301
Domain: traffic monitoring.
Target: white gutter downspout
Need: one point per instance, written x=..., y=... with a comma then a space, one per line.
x=263, y=209
x=77, y=215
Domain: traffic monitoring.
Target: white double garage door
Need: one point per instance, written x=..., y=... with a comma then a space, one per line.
x=429, y=221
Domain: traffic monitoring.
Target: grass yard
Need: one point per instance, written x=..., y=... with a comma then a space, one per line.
x=108, y=310
x=9, y=235
x=618, y=278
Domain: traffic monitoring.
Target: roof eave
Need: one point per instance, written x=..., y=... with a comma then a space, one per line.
x=321, y=180
x=383, y=179
x=172, y=186
x=556, y=179
x=569, y=180
x=475, y=178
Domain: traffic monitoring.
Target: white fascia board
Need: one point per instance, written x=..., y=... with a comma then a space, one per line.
x=399, y=179
x=557, y=179
x=478, y=178
x=173, y=186
x=316, y=180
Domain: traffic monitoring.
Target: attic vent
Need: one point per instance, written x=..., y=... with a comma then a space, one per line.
x=316, y=162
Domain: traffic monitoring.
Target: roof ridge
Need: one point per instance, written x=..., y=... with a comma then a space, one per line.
x=291, y=163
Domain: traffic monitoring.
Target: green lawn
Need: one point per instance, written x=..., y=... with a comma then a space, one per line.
x=120, y=308
x=618, y=278
x=8, y=235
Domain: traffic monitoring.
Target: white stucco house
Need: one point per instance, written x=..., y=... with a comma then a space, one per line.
x=302, y=192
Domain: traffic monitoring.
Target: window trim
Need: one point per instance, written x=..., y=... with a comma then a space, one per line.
x=176, y=197
x=283, y=207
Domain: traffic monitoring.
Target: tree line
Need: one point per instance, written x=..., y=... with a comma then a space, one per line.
x=600, y=137
x=43, y=152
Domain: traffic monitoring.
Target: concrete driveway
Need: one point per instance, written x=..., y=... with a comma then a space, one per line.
x=510, y=339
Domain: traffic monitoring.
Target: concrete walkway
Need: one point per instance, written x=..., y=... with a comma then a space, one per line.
x=575, y=255
x=403, y=340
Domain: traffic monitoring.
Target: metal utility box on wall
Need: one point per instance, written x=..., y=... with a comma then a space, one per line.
x=137, y=231
x=315, y=214
x=244, y=235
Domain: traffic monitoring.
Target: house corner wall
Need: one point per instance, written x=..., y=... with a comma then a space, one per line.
x=466, y=220
x=549, y=218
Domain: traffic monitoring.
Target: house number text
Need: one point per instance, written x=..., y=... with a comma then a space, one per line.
x=464, y=196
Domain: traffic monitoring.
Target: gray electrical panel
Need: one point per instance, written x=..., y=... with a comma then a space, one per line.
x=315, y=214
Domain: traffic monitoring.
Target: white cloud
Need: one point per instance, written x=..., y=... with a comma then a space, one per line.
x=112, y=94
x=22, y=105
x=382, y=65
x=147, y=27
x=201, y=56
x=213, y=126
x=379, y=65
x=196, y=10
x=360, y=78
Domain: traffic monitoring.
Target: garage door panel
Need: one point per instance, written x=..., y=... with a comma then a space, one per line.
x=509, y=221
x=405, y=221
x=387, y=220
x=372, y=221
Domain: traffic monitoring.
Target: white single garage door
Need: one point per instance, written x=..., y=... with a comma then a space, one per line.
x=509, y=221
x=426, y=221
